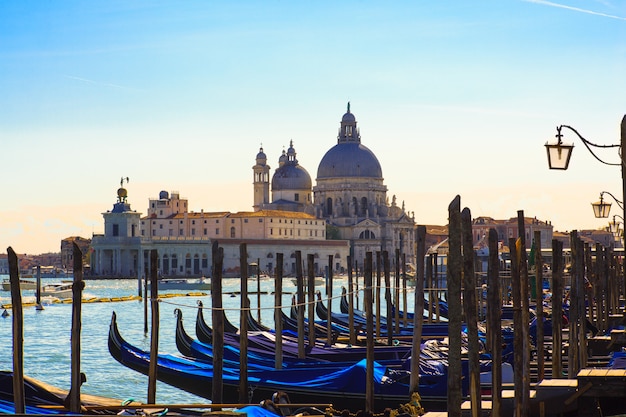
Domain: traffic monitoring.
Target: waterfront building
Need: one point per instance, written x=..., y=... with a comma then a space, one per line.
x=508, y=229
x=184, y=239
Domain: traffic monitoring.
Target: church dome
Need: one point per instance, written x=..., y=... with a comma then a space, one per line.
x=261, y=157
x=349, y=158
x=290, y=175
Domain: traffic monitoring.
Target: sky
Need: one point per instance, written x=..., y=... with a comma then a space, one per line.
x=453, y=97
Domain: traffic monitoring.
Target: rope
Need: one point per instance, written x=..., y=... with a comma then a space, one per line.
x=412, y=408
x=304, y=304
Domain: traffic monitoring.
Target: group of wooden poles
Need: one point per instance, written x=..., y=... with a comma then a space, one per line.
x=462, y=289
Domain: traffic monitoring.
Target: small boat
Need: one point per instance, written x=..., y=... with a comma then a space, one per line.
x=25, y=284
x=319, y=281
x=189, y=284
x=62, y=291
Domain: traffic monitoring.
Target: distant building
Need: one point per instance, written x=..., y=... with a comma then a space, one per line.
x=183, y=239
x=67, y=251
x=508, y=229
x=4, y=264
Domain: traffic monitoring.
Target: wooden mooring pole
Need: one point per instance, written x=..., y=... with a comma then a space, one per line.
x=494, y=323
x=369, y=325
x=525, y=316
x=539, y=305
x=455, y=374
x=470, y=306
x=18, y=333
x=329, y=303
x=77, y=294
x=300, y=304
x=418, y=320
x=377, y=294
x=154, y=333
x=278, y=318
x=243, y=324
x=351, y=303
x=217, y=321
x=388, y=302
x=557, y=308
x=311, y=297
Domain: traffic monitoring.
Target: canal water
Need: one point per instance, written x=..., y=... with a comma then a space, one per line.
x=47, y=347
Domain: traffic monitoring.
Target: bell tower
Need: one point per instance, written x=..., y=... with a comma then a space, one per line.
x=261, y=181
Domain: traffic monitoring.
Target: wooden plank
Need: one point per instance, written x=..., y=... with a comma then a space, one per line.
x=558, y=382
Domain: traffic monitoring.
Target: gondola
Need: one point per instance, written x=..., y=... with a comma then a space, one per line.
x=337, y=353
x=343, y=388
x=228, y=326
x=429, y=330
x=39, y=397
x=204, y=351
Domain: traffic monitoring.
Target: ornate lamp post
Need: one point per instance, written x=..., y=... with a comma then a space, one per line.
x=601, y=208
x=559, y=155
x=614, y=226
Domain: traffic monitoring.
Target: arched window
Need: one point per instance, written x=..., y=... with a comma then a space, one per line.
x=355, y=208
x=363, y=206
x=329, y=206
x=367, y=234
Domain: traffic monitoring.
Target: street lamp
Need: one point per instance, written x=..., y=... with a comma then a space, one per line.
x=560, y=154
x=601, y=208
x=614, y=226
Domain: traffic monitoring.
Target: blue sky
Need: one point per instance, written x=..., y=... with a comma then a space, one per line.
x=454, y=97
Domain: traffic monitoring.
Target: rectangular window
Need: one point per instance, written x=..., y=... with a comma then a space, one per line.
x=260, y=220
x=217, y=231
x=193, y=232
x=245, y=220
x=296, y=197
x=180, y=232
x=206, y=231
x=116, y=230
x=193, y=222
x=160, y=226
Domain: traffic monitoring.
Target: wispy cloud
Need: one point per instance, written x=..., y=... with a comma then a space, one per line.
x=85, y=80
x=575, y=9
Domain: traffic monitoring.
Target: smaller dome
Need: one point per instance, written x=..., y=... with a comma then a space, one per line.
x=282, y=159
x=122, y=193
x=348, y=118
x=261, y=154
x=291, y=177
x=164, y=195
